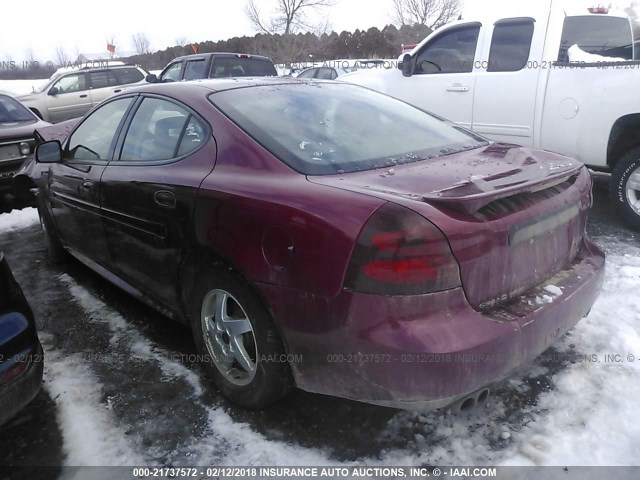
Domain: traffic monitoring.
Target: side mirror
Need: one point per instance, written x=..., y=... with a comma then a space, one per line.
x=407, y=65
x=54, y=91
x=49, y=152
x=151, y=78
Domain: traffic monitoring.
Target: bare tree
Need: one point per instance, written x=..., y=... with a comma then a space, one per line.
x=141, y=43
x=432, y=13
x=61, y=57
x=286, y=17
x=182, y=41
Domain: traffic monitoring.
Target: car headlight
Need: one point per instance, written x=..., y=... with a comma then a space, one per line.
x=25, y=148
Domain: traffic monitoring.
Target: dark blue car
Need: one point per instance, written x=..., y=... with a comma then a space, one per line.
x=21, y=359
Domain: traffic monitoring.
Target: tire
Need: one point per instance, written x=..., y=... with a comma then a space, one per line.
x=262, y=347
x=624, y=190
x=55, y=250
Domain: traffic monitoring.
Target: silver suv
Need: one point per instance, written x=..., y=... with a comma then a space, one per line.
x=72, y=93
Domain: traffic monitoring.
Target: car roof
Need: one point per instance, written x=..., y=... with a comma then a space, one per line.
x=218, y=84
x=219, y=54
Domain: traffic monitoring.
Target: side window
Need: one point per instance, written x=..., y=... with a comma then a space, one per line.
x=311, y=73
x=511, y=45
x=161, y=130
x=597, y=34
x=194, y=70
x=325, y=73
x=452, y=52
x=172, y=73
x=126, y=76
x=71, y=83
x=95, y=136
x=102, y=79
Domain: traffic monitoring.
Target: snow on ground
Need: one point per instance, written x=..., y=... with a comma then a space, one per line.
x=20, y=87
x=585, y=416
x=89, y=429
x=18, y=219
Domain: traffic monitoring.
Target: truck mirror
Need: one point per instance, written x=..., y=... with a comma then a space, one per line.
x=407, y=65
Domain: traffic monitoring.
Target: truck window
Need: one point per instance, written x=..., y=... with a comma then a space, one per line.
x=171, y=73
x=233, y=66
x=194, y=70
x=511, y=45
x=601, y=35
x=452, y=52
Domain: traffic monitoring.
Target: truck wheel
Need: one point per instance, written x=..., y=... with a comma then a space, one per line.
x=55, y=250
x=240, y=344
x=624, y=190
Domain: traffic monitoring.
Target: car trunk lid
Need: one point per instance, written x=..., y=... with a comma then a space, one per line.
x=513, y=217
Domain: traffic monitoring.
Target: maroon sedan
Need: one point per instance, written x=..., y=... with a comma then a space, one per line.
x=325, y=236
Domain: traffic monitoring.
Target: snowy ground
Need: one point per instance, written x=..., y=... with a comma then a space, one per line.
x=120, y=387
x=20, y=87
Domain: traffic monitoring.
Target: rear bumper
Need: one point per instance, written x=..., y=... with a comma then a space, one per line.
x=427, y=351
x=21, y=391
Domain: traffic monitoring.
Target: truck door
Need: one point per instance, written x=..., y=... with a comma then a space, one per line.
x=443, y=81
x=507, y=84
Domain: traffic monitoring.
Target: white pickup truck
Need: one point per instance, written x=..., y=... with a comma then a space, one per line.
x=557, y=80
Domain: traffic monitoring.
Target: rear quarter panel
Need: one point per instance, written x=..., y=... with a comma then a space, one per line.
x=272, y=224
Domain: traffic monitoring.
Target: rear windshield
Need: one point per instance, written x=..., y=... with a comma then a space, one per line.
x=11, y=111
x=600, y=35
x=327, y=128
x=242, y=67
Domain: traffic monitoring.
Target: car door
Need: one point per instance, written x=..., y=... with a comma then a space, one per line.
x=102, y=85
x=69, y=98
x=443, y=81
x=74, y=183
x=149, y=195
x=505, y=98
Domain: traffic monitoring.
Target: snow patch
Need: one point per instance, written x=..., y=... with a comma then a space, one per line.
x=18, y=219
x=553, y=290
x=90, y=434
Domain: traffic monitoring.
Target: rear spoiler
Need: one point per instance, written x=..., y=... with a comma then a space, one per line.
x=472, y=195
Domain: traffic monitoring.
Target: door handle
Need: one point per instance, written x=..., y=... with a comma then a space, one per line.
x=83, y=96
x=117, y=91
x=457, y=88
x=165, y=199
x=87, y=185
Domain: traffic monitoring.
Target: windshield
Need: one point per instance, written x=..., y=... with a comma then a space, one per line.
x=12, y=111
x=327, y=128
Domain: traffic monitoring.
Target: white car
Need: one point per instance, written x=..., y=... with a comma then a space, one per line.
x=511, y=79
x=70, y=93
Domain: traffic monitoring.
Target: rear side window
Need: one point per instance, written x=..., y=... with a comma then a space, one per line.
x=161, y=130
x=194, y=70
x=600, y=35
x=511, y=45
x=102, y=79
x=128, y=75
x=94, y=137
x=223, y=67
x=451, y=52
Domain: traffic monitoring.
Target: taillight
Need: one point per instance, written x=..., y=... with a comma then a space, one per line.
x=599, y=9
x=401, y=253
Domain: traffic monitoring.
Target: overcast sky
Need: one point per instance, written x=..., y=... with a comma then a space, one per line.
x=83, y=26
